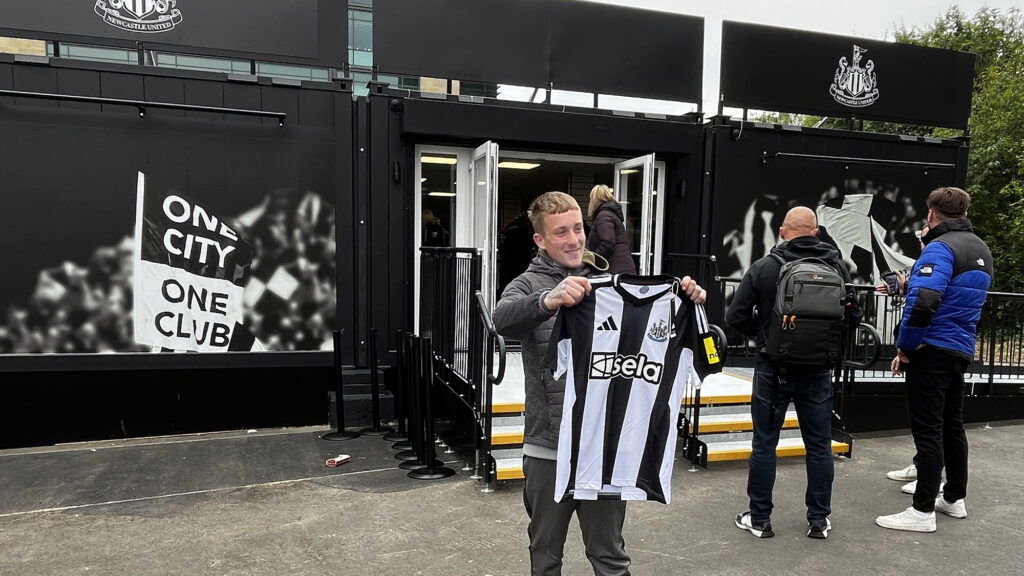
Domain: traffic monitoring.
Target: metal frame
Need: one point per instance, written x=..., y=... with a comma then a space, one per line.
x=143, y=104
x=765, y=157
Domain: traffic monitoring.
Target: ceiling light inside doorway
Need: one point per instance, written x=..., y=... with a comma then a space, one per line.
x=423, y=180
x=628, y=171
x=438, y=160
x=446, y=194
x=518, y=165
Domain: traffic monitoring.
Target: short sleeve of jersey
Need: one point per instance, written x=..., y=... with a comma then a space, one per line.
x=699, y=338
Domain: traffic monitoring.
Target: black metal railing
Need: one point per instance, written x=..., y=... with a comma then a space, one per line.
x=998, y=356
x=464, y=348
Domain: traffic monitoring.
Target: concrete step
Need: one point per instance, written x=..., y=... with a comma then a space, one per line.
x=722, y=437
x=719, y=423
x=740, y=450
x=507, y=435
x=510, y=468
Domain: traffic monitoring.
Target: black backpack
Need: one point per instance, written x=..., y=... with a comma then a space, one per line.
x=807, y=327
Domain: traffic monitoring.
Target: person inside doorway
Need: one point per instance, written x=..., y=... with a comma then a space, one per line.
x=515, y=246
x=608, y=233
x=434, y=233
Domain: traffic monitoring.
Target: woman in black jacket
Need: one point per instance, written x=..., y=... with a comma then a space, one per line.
x=608, y=233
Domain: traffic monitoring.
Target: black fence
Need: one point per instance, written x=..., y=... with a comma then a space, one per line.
x=998, y=355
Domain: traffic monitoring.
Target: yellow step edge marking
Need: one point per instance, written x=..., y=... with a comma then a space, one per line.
x=508, y=407
x=511, y=473
x=738, y=375
x=737, y=426
x=782, y=451
x=724, y=399
x=507, y=438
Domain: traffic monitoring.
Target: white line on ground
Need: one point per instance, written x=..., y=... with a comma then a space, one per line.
x=96, y=445
x=191, y=493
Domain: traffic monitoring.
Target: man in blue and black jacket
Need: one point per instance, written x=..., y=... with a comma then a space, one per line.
x=945, y=294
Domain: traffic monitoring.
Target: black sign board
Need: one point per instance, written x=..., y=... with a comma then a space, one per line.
x=769, y=68
x=310, y=32
x=626, y=51
x=481, y=40
x=576, y=45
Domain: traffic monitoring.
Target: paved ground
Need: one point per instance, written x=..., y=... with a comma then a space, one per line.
x=264, y=503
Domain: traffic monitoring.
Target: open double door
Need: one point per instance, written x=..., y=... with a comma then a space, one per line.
x=635, y=189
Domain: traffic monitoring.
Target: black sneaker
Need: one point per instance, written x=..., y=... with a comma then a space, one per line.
x=760, y=530
x=819, y=531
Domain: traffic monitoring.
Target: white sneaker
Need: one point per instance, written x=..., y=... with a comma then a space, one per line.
x=910, y=520
x=904, y=474
x=956, y=509
x=911, y=487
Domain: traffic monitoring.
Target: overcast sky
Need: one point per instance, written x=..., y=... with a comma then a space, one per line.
x=876, y=19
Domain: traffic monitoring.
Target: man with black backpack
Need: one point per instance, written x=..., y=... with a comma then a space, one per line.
x=796, y=303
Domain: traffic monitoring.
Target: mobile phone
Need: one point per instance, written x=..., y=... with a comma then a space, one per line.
x=892, y=283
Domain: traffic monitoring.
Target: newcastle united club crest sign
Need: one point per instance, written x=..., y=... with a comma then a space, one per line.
x=148, y=16
x=855, y=85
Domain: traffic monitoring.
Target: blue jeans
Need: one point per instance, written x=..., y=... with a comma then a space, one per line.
x=811, y=392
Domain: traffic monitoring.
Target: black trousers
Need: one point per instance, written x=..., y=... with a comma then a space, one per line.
x=600, y=521
x=935, y=399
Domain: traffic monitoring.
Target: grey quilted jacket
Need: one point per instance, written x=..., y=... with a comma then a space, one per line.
x=519, y=314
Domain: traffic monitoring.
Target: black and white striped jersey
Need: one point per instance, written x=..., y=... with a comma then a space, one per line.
x=626, y=351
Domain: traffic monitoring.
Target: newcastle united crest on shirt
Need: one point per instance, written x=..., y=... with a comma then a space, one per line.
x=855, y=85
x=147, y=16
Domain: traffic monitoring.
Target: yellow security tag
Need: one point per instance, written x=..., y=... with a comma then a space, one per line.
x=710, y=350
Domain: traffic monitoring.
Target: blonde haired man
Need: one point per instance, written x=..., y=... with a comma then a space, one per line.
x=557, y=277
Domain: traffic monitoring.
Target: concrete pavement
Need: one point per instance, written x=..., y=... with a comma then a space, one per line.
x=263, y=503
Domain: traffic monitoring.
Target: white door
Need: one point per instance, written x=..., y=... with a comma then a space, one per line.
x=484, y=178
x=641, y=209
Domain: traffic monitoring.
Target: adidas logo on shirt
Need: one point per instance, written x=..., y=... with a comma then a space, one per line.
x=608, y=324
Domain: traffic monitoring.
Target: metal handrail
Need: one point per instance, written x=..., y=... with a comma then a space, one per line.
x=485, y=315
x=877, y=348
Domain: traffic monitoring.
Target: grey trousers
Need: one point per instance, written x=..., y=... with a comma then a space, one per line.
x=600, y=522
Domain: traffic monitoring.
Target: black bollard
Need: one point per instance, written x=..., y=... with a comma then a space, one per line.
x=339, y=402
x=417, y=423
x=435, y=469
x=408, y=369
x=411, y=355
x=371, y=353
x=399, y=394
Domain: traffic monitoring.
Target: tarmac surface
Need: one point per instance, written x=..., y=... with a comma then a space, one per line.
x=264, y=503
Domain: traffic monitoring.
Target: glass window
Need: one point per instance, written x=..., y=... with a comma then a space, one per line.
x=290, y=71
x=99, y=53
x=359, y=81
x=204, y=63
x=360, y=58
x=483, y=89
x=360, y=30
